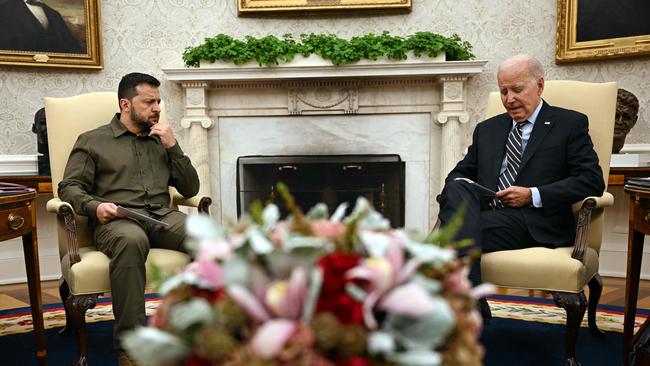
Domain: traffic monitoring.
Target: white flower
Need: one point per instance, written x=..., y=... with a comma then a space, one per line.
x=151, y=346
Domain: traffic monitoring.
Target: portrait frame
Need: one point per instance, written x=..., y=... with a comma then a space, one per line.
x=261, y=7
x=90, y=56
x=569, y=48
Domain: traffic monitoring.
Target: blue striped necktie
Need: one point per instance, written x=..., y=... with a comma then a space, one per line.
x=514, y=151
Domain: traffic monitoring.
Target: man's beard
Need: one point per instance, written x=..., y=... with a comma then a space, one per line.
x=142, y=124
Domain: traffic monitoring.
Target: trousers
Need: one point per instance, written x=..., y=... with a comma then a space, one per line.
x=127, y=242
x=489, y=229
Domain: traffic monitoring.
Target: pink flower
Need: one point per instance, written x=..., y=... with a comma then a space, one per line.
x=271, y=337
x=279, y=230
x=328, y=229
x=457, y=281
x=281, y=299
x=385, y=278
x=207, y=270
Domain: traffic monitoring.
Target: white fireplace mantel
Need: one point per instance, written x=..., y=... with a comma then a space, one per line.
x=415, y=108
x=381, y=70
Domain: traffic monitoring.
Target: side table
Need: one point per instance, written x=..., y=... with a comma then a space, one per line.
x=618, y=175
x=18, y=218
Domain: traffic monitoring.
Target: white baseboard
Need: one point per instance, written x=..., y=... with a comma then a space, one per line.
x=12, y=270
x=18, y=164
x=635, y=148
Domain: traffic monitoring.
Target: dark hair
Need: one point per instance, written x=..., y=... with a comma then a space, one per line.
x=126, y=89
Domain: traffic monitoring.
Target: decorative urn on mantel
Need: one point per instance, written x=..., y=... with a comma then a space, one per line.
x=415, y=108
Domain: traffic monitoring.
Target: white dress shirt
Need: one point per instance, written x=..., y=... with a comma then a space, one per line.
x=526, y=130
x=39, y=14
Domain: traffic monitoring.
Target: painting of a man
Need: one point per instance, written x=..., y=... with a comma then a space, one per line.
x=39, y=26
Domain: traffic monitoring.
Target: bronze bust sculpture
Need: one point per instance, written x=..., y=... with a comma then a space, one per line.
x=627, y=109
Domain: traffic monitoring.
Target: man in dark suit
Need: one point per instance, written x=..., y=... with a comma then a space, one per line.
x=539, y=159
x=31, y=25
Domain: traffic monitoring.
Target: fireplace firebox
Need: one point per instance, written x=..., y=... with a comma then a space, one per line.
x=332, y=179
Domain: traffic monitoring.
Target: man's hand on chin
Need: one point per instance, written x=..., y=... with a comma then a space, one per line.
x=515, y=196
x=165, y=133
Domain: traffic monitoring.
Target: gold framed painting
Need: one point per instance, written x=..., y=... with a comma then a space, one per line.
x=51, y=33
x=602, y=29
x=248, y=7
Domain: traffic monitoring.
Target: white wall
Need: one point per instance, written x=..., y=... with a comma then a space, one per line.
x=147, y=35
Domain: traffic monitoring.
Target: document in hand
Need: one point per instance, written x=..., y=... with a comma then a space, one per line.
x=481, y=189
x=138, y=216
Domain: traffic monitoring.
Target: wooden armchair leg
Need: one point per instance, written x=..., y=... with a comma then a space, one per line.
x=575, y=306
x=64, y=293
x=78, y=305
x=595, y=289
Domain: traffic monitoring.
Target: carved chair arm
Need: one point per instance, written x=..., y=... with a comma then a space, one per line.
x=587, y=206
x=65, y=211
x=201, y=203
x=606, y=200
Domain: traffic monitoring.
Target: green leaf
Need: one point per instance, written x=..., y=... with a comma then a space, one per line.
x=271, y=50
x=443, y=236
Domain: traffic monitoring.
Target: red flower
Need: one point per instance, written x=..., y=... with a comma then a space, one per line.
x=197, y=361
x=210, y=295
x=354, y=361
x=333, y=297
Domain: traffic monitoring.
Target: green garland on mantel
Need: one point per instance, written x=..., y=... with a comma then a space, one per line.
x=271, y=50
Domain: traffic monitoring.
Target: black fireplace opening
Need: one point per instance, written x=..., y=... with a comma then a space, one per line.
x=331, y=179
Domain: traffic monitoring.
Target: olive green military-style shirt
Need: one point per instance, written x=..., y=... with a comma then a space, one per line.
x=111, y=164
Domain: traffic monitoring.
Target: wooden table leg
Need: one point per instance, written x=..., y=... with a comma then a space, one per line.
x=634, y=256
x=30, y=247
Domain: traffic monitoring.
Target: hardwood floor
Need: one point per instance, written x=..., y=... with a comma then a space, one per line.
x=16, y=296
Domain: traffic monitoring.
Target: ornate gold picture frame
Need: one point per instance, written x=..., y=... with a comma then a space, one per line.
x=602, y=29
x=51, y=33
x=248, y=7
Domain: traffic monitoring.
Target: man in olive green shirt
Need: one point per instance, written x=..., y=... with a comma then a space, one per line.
x=131, y=161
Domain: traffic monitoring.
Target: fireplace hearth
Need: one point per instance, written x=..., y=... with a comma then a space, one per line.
x=331, y=179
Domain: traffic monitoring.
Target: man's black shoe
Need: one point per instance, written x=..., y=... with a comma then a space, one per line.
x=484, y=308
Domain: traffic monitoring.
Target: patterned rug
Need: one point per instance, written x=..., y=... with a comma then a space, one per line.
x=524, y=332
x=608, y=318
x=16, y=321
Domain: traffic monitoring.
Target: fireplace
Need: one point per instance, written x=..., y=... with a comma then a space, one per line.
x=331, y=179
x=418, y=111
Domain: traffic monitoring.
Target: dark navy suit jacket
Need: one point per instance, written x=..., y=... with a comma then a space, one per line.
x=559, y=160
x=21, y=31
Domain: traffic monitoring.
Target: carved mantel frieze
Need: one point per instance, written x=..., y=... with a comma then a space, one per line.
x=323, y=100
x=436, y=89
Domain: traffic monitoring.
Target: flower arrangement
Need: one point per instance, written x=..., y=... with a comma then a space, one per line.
x=314, y=290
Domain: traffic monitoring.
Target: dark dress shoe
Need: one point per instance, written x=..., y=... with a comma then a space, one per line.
x=484, y=308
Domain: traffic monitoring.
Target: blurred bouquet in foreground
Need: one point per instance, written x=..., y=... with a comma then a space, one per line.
x=314, y=290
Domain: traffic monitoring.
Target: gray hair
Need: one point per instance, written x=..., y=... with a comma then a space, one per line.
x=534, y=66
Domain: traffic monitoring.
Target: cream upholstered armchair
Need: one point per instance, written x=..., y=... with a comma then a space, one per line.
x=84, y=268
x=565, y=272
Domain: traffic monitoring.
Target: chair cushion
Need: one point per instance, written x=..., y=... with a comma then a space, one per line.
x=539, y=269
x=90, y=276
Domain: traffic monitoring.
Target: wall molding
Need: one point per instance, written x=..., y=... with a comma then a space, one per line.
x=18, y=164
